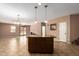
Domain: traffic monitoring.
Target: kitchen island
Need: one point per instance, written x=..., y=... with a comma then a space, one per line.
x=40, y=44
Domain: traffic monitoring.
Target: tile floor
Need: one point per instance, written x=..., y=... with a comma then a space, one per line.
x=19, y=47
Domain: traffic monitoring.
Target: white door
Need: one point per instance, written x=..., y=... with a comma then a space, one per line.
x=63, y=31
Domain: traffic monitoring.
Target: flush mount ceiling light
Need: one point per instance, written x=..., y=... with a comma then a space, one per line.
x=35, y=14
x=45, y=13
x=39, y=3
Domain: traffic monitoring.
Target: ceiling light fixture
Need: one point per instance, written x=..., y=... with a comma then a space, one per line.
x=35, y=14
x=39, y=3
x=45, y=13
x=45, y=21
x=36, y=21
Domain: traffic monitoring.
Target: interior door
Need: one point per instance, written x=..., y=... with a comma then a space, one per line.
x=63, y=31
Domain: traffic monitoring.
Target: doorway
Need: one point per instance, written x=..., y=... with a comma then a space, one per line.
x=43, y=29
x=63, y=31
x=22, y=30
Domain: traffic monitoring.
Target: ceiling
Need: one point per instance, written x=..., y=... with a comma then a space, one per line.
x=9, y=11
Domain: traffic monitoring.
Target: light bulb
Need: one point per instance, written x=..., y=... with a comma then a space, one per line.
x=35, y=21
x=45, y=21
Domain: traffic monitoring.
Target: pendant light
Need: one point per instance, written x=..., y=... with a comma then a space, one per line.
x=35, y=14
x=45, y=13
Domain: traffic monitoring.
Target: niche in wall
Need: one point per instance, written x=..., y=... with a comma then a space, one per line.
x=53, y=26
x=43, y=29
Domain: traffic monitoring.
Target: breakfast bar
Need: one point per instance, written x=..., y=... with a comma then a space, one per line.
x=40, y=44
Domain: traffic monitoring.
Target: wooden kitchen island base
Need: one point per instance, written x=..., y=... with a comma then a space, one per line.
x=40, y=44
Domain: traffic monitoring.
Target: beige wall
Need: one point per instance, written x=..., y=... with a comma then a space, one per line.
x=0, y=31
x=28, y=29
x=36, y=28
x=74, y=27
x=5, y=29
x=57, y=21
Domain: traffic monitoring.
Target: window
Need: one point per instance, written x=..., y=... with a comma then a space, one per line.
x=13, y=29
